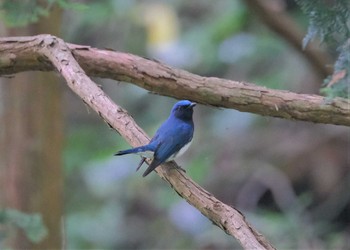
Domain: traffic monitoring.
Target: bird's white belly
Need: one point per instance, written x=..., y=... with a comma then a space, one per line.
x=147, y=154
x=180, y=152
x=150, y=154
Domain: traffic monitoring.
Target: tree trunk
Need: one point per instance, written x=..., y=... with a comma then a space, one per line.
x=31, y=145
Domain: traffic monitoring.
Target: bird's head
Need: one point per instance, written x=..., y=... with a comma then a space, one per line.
x=183, y=110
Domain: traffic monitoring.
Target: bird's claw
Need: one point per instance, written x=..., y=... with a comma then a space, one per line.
x=180, y=168
x=143, y=159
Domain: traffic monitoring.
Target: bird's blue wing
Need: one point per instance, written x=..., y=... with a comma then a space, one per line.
x=172, y=139
x=166, y=148
x=168, y=140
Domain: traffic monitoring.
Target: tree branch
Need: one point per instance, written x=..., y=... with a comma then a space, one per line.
x=18, y=54
x=52, y=52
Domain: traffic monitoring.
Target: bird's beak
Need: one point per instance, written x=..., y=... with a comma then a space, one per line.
x=193, y=104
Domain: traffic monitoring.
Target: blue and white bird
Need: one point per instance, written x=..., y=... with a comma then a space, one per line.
x=172, y=139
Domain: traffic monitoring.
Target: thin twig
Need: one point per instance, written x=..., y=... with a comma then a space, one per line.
x=284, y=26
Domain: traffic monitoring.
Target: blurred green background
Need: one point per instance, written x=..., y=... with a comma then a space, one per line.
x=289, y=178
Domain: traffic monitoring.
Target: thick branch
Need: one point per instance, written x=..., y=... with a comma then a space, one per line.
x=19, y=54
x=54, y=50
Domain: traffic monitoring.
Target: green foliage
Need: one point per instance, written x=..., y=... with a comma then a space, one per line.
x=339, y=83
x=18, y=13
x=330, y=21
x=31, y=224
x=85, y=144
x=66, y=4
x=209, y=34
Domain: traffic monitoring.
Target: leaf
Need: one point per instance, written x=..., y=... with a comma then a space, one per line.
x=66, y=4
x=311, y=34
x=336, y=77
x=32, y=224
x=329, y=20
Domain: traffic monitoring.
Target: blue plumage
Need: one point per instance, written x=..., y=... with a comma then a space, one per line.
x=171, y=139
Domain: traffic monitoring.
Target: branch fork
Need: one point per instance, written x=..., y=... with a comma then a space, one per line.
x=48, y=53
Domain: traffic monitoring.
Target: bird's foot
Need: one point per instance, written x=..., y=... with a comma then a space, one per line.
x=143, y=159
x=180, y=168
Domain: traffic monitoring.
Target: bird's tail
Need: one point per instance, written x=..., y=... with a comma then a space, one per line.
x=146, y=151
x=155, y=163
x=138, y=150
x=148, y=171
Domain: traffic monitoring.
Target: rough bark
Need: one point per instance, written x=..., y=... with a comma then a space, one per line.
x=50, y=53
x=19, y=54
x=54, y=50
